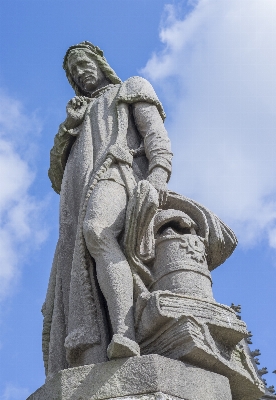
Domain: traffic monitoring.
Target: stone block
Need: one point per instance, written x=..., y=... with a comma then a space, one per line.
x=151, y=377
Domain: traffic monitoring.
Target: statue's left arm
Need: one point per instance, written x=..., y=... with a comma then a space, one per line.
x=149, y=116
x=157, y=144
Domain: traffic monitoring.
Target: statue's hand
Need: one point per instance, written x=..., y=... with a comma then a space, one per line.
x=158, y=178
x=75, y=109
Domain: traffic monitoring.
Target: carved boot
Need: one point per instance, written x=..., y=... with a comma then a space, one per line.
x=121, y=346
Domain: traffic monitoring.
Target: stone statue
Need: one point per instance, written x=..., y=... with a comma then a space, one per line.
x=113, y=137
x=131, y=272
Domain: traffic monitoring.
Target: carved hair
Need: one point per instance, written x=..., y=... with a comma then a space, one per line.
x=97, y=54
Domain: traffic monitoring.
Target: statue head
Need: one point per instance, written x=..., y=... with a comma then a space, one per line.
x=92, y=56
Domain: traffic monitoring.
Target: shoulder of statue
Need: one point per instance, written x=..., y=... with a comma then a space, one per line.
x=138, y=89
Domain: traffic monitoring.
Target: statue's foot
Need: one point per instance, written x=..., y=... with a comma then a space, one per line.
x=121, y=346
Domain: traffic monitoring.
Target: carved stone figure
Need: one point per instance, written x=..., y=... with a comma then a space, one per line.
x=112, y=138
x=131, y=272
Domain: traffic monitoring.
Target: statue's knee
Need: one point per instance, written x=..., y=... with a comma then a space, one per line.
x=93, y=234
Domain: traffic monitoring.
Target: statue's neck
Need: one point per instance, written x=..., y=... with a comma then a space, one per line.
x=103, y=84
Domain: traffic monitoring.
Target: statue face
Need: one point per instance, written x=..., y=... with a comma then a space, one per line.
x=85, y=71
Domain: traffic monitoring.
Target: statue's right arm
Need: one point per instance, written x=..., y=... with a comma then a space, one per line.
x=58, y=157
x=65, y=138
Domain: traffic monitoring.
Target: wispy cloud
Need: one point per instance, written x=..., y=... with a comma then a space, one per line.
x=20, y=222
x=13, y=392
x=217, y=74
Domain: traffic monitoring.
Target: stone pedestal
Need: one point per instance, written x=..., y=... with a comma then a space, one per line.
x=150, y=377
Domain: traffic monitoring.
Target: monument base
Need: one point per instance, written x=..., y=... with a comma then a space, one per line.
x=150, y=377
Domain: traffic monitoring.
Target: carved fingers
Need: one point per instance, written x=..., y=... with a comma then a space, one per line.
x=75, y=109
x=158, y=178
x=78, y=101
x=163, y=197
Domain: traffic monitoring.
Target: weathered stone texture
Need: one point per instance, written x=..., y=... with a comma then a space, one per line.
x=132, y=269
x=148, y=377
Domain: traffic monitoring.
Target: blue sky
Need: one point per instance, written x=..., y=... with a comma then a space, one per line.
x=212, y=64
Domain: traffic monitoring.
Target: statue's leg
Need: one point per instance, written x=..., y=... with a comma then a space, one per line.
x=104, y=221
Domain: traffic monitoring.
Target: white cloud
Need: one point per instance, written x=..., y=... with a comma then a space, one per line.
x=217, y=75
x=13, y=392
x=19, y=211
